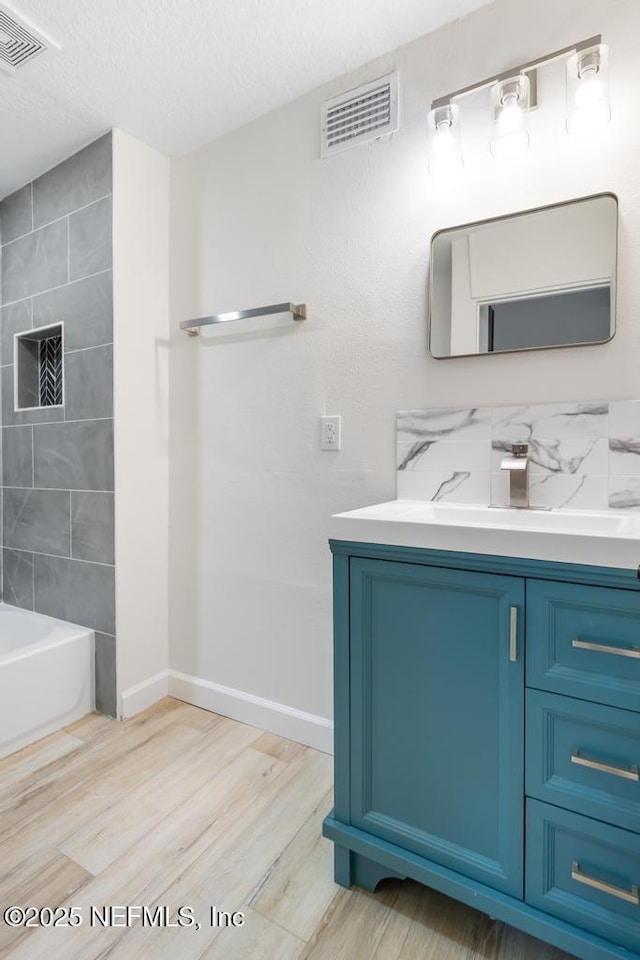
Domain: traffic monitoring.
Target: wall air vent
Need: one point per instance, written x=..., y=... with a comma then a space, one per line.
x=20, y=41
x=357, y=116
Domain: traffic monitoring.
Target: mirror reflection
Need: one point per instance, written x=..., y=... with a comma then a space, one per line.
x=542, y=278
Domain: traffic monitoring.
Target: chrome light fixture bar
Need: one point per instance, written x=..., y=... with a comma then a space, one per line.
x=514, y=94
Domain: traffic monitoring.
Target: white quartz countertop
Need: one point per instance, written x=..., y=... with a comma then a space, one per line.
x=607, y=538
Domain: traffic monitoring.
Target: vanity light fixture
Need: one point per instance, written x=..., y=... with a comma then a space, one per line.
x=513, y=94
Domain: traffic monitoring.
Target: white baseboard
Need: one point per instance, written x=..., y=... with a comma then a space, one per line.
x=143, y=695
x=277, y=718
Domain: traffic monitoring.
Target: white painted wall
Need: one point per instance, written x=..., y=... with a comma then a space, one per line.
x=141, y=381
x=258, y=218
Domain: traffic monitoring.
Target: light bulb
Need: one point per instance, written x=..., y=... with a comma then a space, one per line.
x=510, y=99
x=589, y=93
x=511, y=116
x=443, y=132
x=443, y=141
x=588, y=108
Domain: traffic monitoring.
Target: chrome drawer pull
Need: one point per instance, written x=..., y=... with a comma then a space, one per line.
x=628, y=773
x=630, y=896
x=513, y=634
x=633, y=652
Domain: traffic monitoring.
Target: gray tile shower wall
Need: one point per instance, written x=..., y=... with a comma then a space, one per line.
x=582, y=455
x=57, y=462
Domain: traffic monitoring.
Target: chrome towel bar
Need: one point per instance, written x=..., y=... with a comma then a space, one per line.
x=299, y=311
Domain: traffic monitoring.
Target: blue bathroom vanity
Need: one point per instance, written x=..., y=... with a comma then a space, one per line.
x=487, y=714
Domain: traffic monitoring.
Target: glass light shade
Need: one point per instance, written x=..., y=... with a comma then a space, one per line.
x=588, y=106
x=443, y=139
x=509, y=105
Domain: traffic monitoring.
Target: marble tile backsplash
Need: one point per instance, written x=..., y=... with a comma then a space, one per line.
x=582, y=455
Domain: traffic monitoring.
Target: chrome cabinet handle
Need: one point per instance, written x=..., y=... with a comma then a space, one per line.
x=633, y=652
x=629, y=896
x=628, y=773
x=513, y=634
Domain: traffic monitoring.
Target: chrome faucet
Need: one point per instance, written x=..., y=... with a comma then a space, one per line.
x=518, y=466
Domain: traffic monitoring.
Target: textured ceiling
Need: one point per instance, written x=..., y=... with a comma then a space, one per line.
x=179, y=73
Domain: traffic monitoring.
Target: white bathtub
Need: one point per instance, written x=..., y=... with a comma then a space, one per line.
x=46, y=676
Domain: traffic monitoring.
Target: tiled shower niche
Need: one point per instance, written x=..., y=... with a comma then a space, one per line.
x=56, y=292
x=38, y=361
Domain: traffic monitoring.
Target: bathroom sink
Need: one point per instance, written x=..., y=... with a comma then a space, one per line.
x=580, y=521
x=598, y=537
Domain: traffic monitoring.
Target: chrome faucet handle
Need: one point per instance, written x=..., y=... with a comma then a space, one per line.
x=518, y=459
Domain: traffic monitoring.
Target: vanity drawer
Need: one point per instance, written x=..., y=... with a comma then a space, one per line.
x=584, y=642
x=584, y=756
x=584, y=871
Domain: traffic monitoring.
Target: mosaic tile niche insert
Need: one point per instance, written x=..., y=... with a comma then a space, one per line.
x=582, y=455
x=38, y=363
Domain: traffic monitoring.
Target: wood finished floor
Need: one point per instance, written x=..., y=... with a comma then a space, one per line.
x=180, y=807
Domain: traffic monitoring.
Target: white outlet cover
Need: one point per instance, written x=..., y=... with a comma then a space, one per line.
x=331, y=433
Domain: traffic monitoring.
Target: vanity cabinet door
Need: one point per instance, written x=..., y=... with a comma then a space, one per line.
x=436, y=723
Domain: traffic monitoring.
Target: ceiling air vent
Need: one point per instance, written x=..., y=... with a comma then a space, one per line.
x=367, y=113
x=20, y=41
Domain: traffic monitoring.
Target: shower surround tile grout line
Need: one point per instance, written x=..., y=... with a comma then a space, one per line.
x=56, y=489
x=58, y=286
x=94, y=346
x=58, y=556
x=48, y=423
x=64, y=216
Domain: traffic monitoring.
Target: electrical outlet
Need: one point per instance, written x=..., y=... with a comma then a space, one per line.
x=330, y=433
